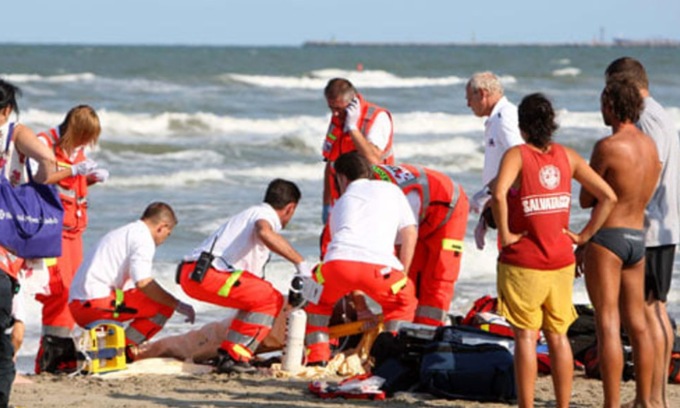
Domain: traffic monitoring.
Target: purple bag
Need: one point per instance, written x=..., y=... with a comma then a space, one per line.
x=31, y=216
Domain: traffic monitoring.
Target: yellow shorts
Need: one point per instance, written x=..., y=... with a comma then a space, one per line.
x=535, y=299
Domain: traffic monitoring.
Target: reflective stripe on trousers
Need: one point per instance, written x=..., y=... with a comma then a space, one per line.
x=138, y=337
x=250, y=342
x=431, y=313
x=394, y=325
x=57, y=331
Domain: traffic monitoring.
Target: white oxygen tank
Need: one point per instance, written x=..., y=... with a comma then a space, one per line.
x=295, y=341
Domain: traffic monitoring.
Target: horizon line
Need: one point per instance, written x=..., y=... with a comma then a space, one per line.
x=659, y=42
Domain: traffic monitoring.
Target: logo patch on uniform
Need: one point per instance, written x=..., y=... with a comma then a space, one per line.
x=401, y=174
x=549, y=176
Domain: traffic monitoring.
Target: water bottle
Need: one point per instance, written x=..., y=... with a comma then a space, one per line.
x=295, y=341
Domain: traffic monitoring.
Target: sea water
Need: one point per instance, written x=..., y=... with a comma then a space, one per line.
x=206, y=128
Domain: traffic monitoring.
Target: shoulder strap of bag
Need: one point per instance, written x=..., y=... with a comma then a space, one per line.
x=10, y=133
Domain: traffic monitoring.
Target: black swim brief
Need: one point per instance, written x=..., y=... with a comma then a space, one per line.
x=626, y=243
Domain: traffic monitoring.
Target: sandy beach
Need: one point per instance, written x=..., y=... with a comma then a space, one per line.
x=212, y=390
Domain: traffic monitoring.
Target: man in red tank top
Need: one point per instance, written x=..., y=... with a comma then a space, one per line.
x=531, y=202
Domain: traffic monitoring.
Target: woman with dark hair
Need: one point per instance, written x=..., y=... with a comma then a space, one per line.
x=16, y=143
x=531, y=204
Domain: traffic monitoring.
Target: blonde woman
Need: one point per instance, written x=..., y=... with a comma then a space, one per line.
x=79, y=130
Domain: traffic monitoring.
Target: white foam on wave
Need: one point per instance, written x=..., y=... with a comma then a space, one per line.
x=568, y=71
x=507, y=79
x=29, y=78
x=415, y=123
x=318, y=79
x=580, y=120
x=455, y=146
x=176, y=179
x=179, y=124
x=169, y=124
x=293, y=171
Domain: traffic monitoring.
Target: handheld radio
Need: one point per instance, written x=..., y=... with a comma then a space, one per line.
x=203, y=264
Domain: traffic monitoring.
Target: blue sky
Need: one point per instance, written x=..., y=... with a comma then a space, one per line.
x=291, y=22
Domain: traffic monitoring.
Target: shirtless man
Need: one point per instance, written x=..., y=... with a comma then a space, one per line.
x=614, y=257
x=661, y=220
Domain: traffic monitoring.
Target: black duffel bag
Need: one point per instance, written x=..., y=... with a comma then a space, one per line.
x=480, y=372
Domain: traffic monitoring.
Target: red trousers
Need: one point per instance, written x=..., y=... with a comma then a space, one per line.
x=256, y=299
x=389, y=287
x=56, y=316
x=148, y=316
x=436, y=262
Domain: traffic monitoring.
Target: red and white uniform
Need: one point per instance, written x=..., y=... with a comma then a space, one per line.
x=441, y=207
x=375, y=123
x=105, y=285
x=541, y=208
x=363, y=228
x=56, y=317
x=235, y=279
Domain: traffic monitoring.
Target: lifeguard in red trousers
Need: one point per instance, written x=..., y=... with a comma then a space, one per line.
x=115, y=281
x=356, y=125
x=367, y=220
x=76, y=172
x=234, y=275
x=441, y=208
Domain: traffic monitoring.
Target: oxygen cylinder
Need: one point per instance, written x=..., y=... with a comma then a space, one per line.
x=295, y=341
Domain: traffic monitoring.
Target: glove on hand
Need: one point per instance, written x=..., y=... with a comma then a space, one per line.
x=303, y=269
x=480, y=232
x=99, y=175
x=353, y=110
x=83, y=168
x=186, y=310
x=480, y=199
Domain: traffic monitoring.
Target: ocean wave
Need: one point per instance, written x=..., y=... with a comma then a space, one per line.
x=63, y=78
x=176, y=179
x=568, y=71
x=415, y=123
x=579, y=120
x=455, y=146
x=103, y=84
x=296, y=131
x=361, y=79
x=293, y=171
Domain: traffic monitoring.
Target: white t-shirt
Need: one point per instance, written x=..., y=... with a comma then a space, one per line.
x=380, y=132
x=365, y=221
x=19, y=307
x=662, y=215
x=121, y=258
x=501, y=133
x=237, y=244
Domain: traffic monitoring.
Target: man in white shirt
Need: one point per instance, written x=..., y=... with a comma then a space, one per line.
x=227, y=269
x=115, y=281
x=485, y=97
x=367, y=220
x=356, y=125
